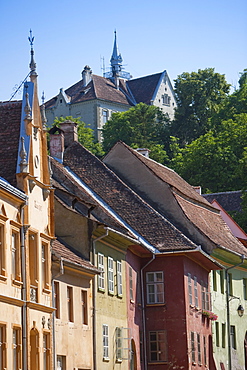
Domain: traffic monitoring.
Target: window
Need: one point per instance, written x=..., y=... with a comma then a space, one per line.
x=214, y=280
x=195, y=291
x=193, y=348
x=16, y=255
x=222, y=281
x=84, y=307
x=233, y=337
x=166, y=99
x=61, y=362
x=57, y=299
x=105, y=116
x=223, y=335
x=205, y=350
x=2, y=251
x=131, y=283
x=155, y=287
x=217, y=334
x=157, y=346
x=119, y=343
x=230, y=290
x=45, y=266
x=16, y=348
x=70, y=303
x=206, y=301
x=119, y=279
x=190, y=289
x=2, y=346
x=105, y=341
x=199, y=348
x=46, y=351
x=110, y=276
x=101, y=277
x=33, y=267
x=245, y=288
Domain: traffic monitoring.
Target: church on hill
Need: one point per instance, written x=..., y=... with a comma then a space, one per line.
x=94, y=98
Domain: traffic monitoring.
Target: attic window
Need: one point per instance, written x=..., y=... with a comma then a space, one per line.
x=166, y=99
x=61, y=100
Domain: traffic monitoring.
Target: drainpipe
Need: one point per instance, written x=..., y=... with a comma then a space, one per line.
x=143, y=313
x=24, y=288
x=94, y=299
x=61, y=272
x=228, y=311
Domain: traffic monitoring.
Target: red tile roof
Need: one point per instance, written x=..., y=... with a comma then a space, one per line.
x=60, y=250
x=98, y=88
x=10, y=120
x=133, y=210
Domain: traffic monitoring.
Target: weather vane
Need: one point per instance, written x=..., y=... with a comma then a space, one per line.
x=31, y=38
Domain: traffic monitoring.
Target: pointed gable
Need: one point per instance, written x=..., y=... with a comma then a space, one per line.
x=143, y=88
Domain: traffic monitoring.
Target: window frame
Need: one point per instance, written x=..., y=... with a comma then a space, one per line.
x=131, y=291
x=70, y=307
x=3, y=346
x=45, y=263
x=16, y=347
x=156, y=345
x=57, y=299
x=199, y=354
x=119, y=279
x=3, y=271
x=46, y=350
x=119, y=344
x=34, y=266
x=101, y=276
x=189, y=278
x=110, y=275
x=193, y=347
x=84, y=307
x=105, y=337
x=16, y=258
x=155, y=283
x=196, y=292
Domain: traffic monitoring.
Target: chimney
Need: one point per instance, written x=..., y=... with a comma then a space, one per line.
x=56, y=143
x=144, y=151
x=69, y=129
x=86, y=75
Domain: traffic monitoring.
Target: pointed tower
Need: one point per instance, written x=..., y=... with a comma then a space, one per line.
x=116, y=69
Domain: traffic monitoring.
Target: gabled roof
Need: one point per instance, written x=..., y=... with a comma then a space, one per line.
x=130, y=209
x=201, y=214
x=10, y=120
x=143, y=88
x=67, y=254
x=98, y=88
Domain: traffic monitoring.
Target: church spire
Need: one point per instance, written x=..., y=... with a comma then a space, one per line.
x=116, y=59
x=32, y=64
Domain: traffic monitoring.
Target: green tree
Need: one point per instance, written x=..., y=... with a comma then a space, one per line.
x=85, y=135
x=216, y=161
x=142, y=126
x=199, y=96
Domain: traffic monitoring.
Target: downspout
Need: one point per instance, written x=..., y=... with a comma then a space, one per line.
x=94, y=300
x=24, y=288
x=228, y=312
x=143, y=314
x=61, y=272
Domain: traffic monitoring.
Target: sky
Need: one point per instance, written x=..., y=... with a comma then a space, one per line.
x=153, y=36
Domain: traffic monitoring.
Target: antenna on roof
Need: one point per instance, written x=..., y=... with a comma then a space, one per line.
x=103, y=64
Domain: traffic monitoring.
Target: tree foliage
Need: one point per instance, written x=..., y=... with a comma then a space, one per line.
x=199, y=96
x=142, y=126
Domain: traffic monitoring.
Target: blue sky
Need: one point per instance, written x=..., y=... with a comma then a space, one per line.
x=179, y=36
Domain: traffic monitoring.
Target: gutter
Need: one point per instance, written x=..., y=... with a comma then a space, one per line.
x=94, y=300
